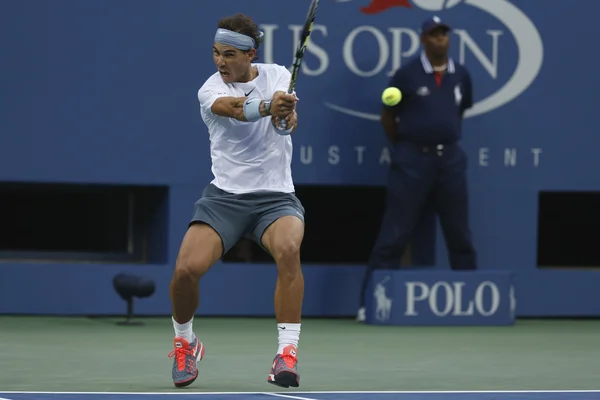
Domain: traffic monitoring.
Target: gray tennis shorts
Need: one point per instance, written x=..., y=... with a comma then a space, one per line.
x=235, y=216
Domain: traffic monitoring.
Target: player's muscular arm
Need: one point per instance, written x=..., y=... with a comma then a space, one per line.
x=390, y=124
x=233, y=107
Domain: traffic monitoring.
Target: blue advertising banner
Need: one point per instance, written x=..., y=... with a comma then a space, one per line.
x=441, y=298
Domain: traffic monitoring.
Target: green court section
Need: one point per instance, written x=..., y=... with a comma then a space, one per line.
x=81, y=354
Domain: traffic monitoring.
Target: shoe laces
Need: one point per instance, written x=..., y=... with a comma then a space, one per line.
x=183, y=361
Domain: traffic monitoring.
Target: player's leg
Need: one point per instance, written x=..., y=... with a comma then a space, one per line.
x=451, y=199
x=283, y=239
x=200, y=249
x=409, y=184
x=280, y=231
x=211, y=233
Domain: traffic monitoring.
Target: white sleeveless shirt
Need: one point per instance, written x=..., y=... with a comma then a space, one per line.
x=248, y=156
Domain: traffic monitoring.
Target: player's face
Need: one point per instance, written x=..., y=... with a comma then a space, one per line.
x=232, y=63
x=436, y=42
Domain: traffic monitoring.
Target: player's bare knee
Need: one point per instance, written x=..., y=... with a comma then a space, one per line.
x=191, y=268
x=200, y=249
x=287, y=256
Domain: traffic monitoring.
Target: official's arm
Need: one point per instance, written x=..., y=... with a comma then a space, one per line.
x=390, y=123
x=467, y=101
x=389, y=114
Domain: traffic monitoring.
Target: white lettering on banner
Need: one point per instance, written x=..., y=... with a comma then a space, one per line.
x=397, y=51
x=385, y=157
x=458, y=311
x=334, y=155
x=397, y=45
x=313, y=49
x=359, y=155
x=483, y=156
x=479, y=298
x=384, y=51
x=491, y=66
x=267, y=45
x=536, y=156
x=321, y=55
x=510, y=157
x=453, y=302
x=411, y=299
x=306, y=154
x=433, y=300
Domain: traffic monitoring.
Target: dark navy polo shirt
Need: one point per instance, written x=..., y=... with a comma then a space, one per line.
x=428, y=113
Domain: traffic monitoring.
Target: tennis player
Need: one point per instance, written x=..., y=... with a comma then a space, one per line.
x=252, y=194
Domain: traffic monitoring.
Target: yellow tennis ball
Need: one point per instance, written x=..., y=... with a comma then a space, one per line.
x=391, y=96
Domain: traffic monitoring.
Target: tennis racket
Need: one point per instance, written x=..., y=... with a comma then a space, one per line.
x=306, y=31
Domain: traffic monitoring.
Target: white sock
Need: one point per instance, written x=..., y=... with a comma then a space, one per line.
x=184, y=331
x=288, y=334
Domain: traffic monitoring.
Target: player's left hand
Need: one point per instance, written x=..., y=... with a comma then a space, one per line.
x=291, y=120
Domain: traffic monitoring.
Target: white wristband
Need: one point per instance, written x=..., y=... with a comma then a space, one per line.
x=252, y=109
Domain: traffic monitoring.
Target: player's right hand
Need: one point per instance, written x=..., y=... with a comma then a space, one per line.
x=283, y=104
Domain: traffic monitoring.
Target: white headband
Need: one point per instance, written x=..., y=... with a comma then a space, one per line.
x=234, y=39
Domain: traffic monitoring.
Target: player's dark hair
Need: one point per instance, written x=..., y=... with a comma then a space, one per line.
x=243, y=24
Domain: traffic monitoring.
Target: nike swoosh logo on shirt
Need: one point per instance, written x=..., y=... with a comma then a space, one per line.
x=248, y=94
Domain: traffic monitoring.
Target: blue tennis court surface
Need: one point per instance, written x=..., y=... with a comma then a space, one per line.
x=462, y=395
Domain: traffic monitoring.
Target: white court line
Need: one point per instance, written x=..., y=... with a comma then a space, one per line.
x=308, y=392
x=285, y=396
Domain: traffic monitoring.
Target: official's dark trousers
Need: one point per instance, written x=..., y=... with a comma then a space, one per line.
x=419, y=174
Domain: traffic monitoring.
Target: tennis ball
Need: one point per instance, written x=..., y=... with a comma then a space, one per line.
x=391, y=96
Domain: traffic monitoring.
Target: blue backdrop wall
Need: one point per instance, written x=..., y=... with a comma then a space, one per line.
x=105, y=92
